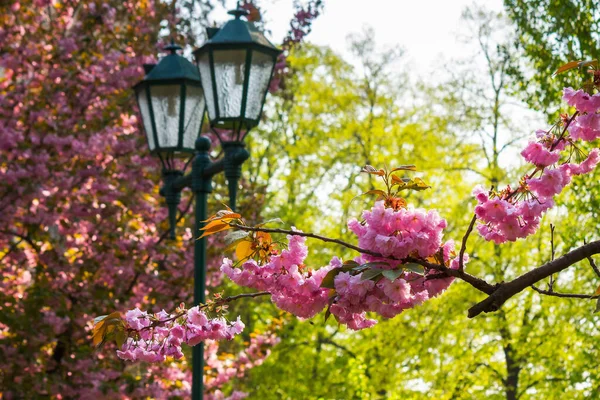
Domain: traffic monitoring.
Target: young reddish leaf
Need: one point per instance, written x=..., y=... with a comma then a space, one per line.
x=214, y=227
x=105, y=325
x=224, y=215
x=244, y=250
x=405, y=168
x=396, y=180
x=377, y=192
x=263, y=237
x=566, y=67
x=369, y=169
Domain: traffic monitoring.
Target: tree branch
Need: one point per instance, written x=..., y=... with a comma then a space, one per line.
x=505, y=291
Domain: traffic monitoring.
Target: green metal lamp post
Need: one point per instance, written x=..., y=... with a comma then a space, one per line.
x=236, y=67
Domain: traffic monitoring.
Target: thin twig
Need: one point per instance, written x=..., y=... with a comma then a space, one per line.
x=594, y=266
x=564, y=131
x=309, y=235
x=217, y=302
x=241, y=296
x=564, y=295
x=463, y=247
x=552, y=227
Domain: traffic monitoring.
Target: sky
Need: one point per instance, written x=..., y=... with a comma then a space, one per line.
x=427, y=29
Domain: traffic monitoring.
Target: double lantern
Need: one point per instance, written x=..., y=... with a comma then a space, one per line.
x=234, y=69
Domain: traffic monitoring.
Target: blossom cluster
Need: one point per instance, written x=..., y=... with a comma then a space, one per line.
x=153, y=338
x=399, y=233
x=511, y=214
x=387, y=297
x=395, y=234
x=293, y=287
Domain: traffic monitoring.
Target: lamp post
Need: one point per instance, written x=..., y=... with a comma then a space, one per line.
x=236, y=66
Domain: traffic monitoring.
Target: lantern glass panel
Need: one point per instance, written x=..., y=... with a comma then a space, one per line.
x=142, y=98
x=258, y=84
x=194, y=112
x=230, y=72
x=207, y=84
x=166, y=107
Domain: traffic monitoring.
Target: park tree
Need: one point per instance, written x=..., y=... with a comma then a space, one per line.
x=82, y=228
x=420, y=353
x=551, y=34
x=289, y=288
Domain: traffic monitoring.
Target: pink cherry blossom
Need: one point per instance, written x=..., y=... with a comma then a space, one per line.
x=539, y=155
x=581, y=100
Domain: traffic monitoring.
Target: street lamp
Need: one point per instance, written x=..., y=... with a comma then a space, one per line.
x=171, y=102
x=236, y=66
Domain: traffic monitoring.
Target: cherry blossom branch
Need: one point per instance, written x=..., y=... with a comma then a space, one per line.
x=474, y=281
x=219, y=302
x=505, y=291
x=498, y=294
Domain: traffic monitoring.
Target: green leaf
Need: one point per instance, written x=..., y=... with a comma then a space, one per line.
x=375, y=264
x=328, y=281
x=234, y=236
x=120, y=338
x=371, y=274
x=416, y=268
x=412, y=184
x=392, y=274
x=328, y=311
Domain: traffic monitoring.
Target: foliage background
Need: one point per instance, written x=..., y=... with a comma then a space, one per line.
x=77, y=242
